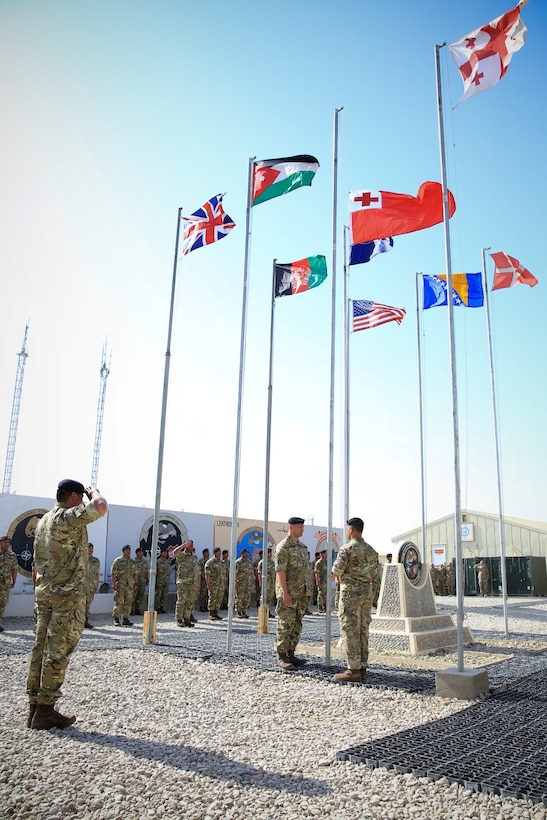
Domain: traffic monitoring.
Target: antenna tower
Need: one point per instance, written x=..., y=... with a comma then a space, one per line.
x=15, y=408
x=104, y=373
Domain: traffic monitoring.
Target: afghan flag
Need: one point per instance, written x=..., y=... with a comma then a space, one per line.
x=377, y=214
x=466, y=290
x=295, y=277
x=274, y=177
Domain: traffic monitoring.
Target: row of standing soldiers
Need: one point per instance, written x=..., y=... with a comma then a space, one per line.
x=443, y=579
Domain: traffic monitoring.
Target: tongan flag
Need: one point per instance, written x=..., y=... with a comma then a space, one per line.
x=466, y=290
x=367, y=250
x=377, y=214
x=274, y=177
x=510, y=272
x=295, y=277
x=371, y=314
x=483, y=55
x=206, y=225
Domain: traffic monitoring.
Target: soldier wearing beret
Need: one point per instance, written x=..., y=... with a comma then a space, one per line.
x=163, y=579
x=216, y=582
x=292, y=591
x=244, y=574
x=92, y=583
x=60, y=563
x=8, y=573
x=124, y=581
x=186, y=564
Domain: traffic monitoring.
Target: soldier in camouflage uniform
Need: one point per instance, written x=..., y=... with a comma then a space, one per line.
x=356, y=566
x=293, y=590
x=163, y=579
x=225, y=561
x=141, y=565
x=320, y=572
x=186, y=563
x=203, y=592
x=8, y=573
x=451, y=579
x=270, y=581
x=124, y=581
x=92, y=583
x=483, y=577
x=216, y=581
x=60, y=560
x=244, y=577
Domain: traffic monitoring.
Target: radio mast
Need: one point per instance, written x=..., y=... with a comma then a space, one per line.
x=15, y=408
x=104, y=372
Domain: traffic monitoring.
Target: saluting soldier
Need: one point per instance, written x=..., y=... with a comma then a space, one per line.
x=186, y=578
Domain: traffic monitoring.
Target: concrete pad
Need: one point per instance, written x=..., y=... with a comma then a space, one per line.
x=465, y=685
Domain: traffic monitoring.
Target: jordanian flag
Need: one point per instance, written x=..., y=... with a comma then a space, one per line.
x=295, y=277
x=273, y=177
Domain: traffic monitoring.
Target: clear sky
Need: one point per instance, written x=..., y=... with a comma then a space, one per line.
x=118, y=112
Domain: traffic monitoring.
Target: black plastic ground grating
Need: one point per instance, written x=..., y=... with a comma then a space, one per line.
x=498, y=745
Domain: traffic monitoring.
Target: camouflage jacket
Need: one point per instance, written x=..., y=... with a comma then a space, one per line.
x=321, y=569
x=93, y=570
x=186, y=565
x=292, y=556
x=124, y=570
x=142, y=569
x=163, y=570
x=244, y=571
x=215, y=569
x=61, y=553
x=356, y=565
x=8, y=560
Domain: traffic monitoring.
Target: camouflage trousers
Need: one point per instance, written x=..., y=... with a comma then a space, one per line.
x=270, y=594
x=289, y=624
x=123, y=601
x=4, y=597
x=138, y=595
x=214, y=601
x=162, y=588
x=322, y=598
x=354, y=618
x=57, y=633
x=186, y=599
x=243, y=597
x=89, y=595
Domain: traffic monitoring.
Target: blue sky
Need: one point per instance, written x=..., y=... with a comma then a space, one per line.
x=118, y=113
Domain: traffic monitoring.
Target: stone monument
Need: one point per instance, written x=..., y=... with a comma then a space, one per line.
x=406, y=617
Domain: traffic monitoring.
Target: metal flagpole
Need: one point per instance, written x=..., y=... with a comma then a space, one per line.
x=346, y=378
x=496, y=439
x=149, y=623
x=235, y=508
x=264, y=608
x=422, y=453
x=448, y=258
x=332, y=372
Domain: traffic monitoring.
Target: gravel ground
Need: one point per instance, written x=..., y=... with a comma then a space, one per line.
x=163, y=735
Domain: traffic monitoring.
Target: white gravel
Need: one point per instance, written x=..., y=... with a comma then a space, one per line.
x=163, y=737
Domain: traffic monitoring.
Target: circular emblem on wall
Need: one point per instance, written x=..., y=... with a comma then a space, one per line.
x=409, y=557
x=171, y=533
x=22, y=532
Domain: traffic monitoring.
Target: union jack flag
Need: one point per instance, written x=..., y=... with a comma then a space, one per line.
x=206, y=225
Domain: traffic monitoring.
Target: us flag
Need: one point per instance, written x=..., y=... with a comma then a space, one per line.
x=368, y=314
x=206, y=225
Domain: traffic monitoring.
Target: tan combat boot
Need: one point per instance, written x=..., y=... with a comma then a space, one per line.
x=284, y=663
x=45, y=717
x=349, y=676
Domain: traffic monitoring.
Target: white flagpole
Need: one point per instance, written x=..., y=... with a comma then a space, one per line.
x=332, y=385
x=420, y=391
x=149, y=626
x=263, y=625
x=448, y=259
x=346, y=377
x=496, y=439
x=235, y=508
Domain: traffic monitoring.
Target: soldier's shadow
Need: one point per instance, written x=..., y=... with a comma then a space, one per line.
x=191, y=759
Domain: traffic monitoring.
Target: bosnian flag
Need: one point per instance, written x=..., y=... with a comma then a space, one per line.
x=368, y=250
x=466, y=290
x=206, y=225
x=510, y=272
x=483, y=55
x=274, y=177
x=295, y=277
